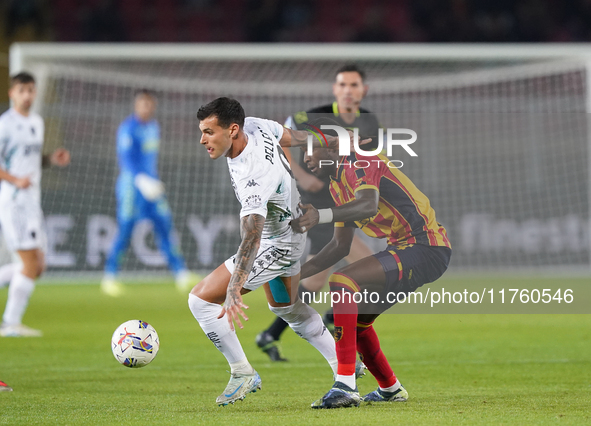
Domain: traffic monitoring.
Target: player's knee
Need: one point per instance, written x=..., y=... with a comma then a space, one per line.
x=302, y=319
x=203, y=311
x=30, y=271
x=208, y=291
x=199, y=289
x=32, y=267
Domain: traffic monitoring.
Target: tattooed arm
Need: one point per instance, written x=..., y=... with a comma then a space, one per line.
x=251, y=228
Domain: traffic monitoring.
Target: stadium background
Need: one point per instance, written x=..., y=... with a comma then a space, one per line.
x=459, y=369
x=468, y=165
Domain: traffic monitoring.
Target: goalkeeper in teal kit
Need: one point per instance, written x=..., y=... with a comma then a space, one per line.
x=140, y=194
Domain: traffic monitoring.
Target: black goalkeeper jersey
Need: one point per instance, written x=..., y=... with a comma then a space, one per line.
x=365, y=121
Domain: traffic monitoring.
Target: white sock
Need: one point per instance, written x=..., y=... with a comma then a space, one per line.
x=392, y=388
x=348, y=380
x=334, y=364
x=307, y=324
x=19, y=292
x=219, y=332
x=6, y=273
x=241, y=367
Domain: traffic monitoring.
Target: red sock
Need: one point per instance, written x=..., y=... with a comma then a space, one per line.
x=345, y=321
x=368, y=346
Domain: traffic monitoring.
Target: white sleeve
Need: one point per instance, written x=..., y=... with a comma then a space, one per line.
x=4, y=139
x=289, y=123
x=42, y=126
x=255, y=190
x=274, y=127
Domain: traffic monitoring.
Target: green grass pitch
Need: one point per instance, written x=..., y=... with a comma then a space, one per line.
x=458, y=369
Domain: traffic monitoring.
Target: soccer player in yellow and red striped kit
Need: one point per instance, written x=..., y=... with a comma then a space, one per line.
x=384, y=203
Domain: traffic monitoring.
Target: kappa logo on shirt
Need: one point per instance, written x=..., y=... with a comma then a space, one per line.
x=252, y=183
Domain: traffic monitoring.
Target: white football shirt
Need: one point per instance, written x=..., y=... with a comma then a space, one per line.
x=21, y=147
x=263, y=181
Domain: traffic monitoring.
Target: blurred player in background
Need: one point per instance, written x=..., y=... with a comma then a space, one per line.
x=384, y=203
x=349, y=89
x=270, y=251
x=140, y=194
x=21, y=160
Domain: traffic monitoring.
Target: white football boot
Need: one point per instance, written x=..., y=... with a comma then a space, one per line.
x=238, y=387
x=19, y=330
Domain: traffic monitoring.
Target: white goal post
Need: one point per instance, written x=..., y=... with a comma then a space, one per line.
x=504, y=141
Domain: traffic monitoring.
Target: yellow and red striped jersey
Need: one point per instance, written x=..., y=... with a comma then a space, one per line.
x=404, y=216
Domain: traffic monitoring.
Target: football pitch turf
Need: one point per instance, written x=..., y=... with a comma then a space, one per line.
x=458, y=369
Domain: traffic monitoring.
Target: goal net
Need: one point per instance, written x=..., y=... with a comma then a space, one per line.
x=503, y=142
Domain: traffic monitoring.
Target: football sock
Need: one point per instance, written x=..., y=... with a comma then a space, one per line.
x=349, y=380
x=392, y=388
x=368, y=346
x=6, y=273
x=217, y=329
x=334, y=364
x=279, y=325
x=345, y=321
x=307, y=324
x=241, y=367
x=19, y=292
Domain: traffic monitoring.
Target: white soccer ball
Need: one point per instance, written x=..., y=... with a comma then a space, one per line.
x=135, y=343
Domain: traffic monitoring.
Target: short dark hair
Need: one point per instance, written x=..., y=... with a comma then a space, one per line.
x=351, y=68
x=144, y=92
x=22, y=78
x=227, y=111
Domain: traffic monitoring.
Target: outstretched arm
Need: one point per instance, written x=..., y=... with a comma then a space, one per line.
x=337, y=249
x=295, y=138
x=251, y=228
x=363, y=206
x=298, y=138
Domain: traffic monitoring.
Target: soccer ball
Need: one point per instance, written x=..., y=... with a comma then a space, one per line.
x=135, y=343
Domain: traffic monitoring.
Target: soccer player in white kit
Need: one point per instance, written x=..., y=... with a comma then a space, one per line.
x=270, y=250
x=21, y=218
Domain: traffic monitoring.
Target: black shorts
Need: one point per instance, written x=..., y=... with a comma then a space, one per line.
x=320, y=236
x=409, y=267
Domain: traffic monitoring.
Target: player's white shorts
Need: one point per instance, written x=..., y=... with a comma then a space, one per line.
x=272, y=261
x=23, y=226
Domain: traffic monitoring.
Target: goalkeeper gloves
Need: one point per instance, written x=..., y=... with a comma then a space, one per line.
x=150, y=188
